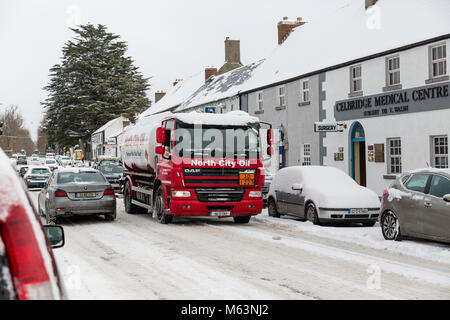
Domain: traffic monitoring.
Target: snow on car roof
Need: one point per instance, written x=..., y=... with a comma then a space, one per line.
x=77, y=170
x=432, y=170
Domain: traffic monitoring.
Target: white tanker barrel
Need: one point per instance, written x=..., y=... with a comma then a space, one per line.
x=139, y=142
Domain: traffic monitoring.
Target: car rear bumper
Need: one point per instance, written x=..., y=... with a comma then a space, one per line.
x=83, y=207
x=35, y=184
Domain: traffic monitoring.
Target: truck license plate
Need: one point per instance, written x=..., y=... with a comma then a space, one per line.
x=219, y=213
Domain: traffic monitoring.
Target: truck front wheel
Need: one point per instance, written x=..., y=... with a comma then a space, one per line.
x=159, y=206
x=244, y=219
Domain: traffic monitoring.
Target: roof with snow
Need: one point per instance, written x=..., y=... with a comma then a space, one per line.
x=108, y=124
x=352, y=33
x=220, y=87
x=179, y=93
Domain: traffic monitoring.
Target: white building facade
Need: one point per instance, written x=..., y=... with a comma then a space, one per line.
x=395, y=110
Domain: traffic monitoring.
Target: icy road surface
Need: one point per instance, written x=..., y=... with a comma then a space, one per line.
x=135, y=257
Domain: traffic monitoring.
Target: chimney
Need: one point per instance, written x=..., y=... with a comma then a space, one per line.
x=286, y=26
x=159, y=95
x=370, y=3
x=209, y=72
x=177, y=81
x=232, y=56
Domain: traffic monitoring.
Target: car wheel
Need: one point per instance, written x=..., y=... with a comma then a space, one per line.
x=245, y=219
x=110, y=216
x=390, y=226
x=273, y=212
x=159, y=207
x=311, y=214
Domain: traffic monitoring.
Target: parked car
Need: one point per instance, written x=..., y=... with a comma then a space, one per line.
x=21, y=159
x=34, y=157
x=28, y=269
x=50, y=155
x=112, y=173
x=51, y=163
x=77, y=191
x=36, y=176
x=322, y=195
x=417, y=204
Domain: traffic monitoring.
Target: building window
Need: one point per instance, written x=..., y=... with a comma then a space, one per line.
x=393, y=71
x=306, y=154
x=438, y=65
x=259, y=100
x=282, y=96
x=439, y=151
x=305, y=91
x=394, y=155
x=355, y=79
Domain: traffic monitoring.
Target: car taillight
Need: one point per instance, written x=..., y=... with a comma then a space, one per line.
x=27, y=266
x=60, y=193
x=28, y=178
x=385, y=192
x=108, y=192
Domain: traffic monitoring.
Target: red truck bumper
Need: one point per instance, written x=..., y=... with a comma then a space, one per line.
x=197, y=208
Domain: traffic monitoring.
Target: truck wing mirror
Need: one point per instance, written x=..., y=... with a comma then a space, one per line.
x=160, y=135
x=160, y=149
x=269, y=136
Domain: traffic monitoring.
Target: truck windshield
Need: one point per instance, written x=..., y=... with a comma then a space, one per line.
x=217, y=141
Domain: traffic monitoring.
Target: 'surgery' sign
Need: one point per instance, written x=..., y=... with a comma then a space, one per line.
x=427, y=98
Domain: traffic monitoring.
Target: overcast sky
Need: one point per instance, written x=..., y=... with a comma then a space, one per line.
x=167, y=39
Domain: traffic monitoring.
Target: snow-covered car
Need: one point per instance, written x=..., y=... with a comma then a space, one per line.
x=51, y=163
x=34, y=157
x=65, y=161
x=28, y=269
x=50, y=155
x=321, y=194
x=36, y=176
x=417, y=204
x=77, y=191
x=21, y=159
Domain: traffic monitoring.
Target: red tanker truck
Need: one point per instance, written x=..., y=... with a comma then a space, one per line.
x=195, y=164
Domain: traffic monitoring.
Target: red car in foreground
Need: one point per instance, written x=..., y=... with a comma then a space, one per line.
x=28, y=269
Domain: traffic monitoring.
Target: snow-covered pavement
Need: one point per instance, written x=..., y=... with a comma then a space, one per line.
x=134, y=257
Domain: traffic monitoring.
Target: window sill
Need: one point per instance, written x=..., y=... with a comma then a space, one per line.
x=355, y=94
x=392, y=87
x=305, y=103
x=280, y=108
x=437, y=79
x=390, y=176
x=259, y=111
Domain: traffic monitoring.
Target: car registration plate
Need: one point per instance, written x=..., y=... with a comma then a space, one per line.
x=358, y=211
x=219, y=213
x=84, y=194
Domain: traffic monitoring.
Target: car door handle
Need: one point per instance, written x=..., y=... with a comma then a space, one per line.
x=428, y=204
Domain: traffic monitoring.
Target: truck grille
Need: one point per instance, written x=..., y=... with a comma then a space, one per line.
x=219, y=194
x=224, y=172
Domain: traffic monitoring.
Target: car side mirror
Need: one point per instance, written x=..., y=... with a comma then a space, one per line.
x=297, y=186
x=55, y=235
x=447, y=197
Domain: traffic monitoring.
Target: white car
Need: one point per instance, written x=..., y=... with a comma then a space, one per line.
x=65, y=161
x=321, y=194
x=51, y=163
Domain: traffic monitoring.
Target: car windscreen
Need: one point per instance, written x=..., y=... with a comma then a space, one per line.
x=109, y=169
x=40, y=171
x=50, y=161
x=21, y=157
x=80, y=177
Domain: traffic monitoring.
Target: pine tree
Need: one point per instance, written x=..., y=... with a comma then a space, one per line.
x=94, y=83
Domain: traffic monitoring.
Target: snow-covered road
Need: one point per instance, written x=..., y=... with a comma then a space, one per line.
x=134, y=257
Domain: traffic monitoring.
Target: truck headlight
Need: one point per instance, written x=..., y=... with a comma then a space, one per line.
x=256, y=194
x=181, y=194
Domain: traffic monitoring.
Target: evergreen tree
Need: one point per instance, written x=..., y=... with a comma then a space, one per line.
x=94, y=83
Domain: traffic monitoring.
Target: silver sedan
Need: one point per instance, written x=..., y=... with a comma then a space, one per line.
x=76, y=191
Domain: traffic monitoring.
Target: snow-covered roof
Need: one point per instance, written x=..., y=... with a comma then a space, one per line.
x=351, y=33
x=115, y=134
x=220, y=87
x=237, y=118
x=177, y=95
x=107, y=125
